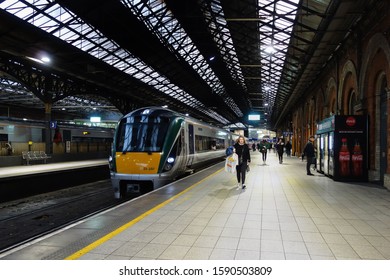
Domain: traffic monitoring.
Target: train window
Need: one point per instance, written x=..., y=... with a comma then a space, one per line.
x=142, y=134
x=205, y=143
x=4, y=137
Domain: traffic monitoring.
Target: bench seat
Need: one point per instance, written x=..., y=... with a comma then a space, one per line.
x=34, y=156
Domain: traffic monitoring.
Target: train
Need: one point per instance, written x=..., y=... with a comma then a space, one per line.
x=24, y=130
x=28, y=134
x=154, y=146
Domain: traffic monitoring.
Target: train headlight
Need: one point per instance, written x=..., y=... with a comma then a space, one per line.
x=169, y=163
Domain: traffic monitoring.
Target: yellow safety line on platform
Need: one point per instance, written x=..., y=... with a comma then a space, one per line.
x=110, y=235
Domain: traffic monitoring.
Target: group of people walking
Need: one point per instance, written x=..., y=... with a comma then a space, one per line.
x=280, y=148
x=242, y=150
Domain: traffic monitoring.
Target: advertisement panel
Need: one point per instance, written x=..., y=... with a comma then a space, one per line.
x=350, y=148
x=344, y=149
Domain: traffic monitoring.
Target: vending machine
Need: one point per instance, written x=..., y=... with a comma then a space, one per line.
x=343, y=147
x=317, y=149
x=331, y=154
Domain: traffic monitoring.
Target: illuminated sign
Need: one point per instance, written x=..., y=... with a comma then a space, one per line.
x=253, y=117
x=95, y=119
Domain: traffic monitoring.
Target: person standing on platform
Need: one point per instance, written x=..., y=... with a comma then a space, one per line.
x=244, y=158
x=8, y=146
x=280, y=149
x=309, y=152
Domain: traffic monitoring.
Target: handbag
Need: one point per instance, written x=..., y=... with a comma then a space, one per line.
x=248, y=168
x=231, y=163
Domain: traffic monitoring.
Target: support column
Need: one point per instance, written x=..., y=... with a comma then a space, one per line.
x=48, y=140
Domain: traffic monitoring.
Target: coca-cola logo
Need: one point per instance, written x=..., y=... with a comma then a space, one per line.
x=344, y=156
x=351, y=121
x=357, y=157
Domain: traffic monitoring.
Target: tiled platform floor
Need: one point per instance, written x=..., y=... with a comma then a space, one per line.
x=283, y=214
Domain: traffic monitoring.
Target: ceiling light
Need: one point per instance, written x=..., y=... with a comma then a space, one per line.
x=270, y=50
x=45, y=59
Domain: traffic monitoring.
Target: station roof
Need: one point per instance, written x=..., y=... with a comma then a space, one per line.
x=217, y=60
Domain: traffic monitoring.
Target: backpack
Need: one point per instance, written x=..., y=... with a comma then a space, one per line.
x=229, y=151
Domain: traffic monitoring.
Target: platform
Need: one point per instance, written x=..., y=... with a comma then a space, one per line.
x=16, y=171
x=282, y=214
x=22, y=181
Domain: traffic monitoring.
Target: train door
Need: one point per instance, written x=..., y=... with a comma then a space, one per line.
x=191, y=140
x=191, y=144
x=182, y=151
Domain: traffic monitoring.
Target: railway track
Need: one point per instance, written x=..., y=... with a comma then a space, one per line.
x=26, y=219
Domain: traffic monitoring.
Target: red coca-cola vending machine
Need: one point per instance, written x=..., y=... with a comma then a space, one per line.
x=347, y=149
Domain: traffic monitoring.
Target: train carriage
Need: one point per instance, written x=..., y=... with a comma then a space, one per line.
x=154, y=146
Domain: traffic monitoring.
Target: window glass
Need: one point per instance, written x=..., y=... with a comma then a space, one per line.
x=205, y=143
x=142, y=134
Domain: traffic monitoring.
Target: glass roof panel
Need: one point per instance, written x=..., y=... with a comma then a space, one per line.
x=275, y=31
x=176, y=39
x=89, y=40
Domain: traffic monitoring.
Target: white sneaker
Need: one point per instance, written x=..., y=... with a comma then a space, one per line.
x=243, y=186
x=238, y=185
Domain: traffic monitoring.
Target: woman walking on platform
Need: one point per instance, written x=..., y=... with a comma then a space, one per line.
x=244, y=158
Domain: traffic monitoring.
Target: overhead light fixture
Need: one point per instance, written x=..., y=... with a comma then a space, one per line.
x=270, y=50
x=42, y=60
x=35, y=59
x=95, y=119
x=45, y=59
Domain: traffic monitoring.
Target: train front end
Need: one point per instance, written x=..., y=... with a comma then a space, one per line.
x=143, y=155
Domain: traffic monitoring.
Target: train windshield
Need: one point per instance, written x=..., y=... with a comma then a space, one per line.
x=142, y=133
